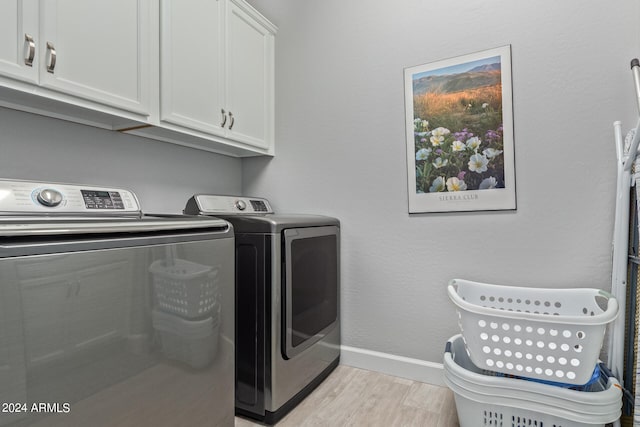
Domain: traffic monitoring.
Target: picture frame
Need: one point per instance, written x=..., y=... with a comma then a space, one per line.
x=459, y=130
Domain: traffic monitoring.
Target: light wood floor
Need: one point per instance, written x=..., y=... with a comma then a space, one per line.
x=356, y=397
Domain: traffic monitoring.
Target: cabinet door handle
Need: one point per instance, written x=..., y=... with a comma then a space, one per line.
x=31, y=50
x=224, y=118
x=233, y=120
x=52, y=57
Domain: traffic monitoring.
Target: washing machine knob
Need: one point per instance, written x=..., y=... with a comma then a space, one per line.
x=49, y=197
x=240, y=205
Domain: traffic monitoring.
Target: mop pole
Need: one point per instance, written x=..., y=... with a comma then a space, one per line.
x=633, y=151
x=635, y=70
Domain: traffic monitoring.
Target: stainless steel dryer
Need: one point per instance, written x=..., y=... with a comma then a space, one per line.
x=287, y=302
x=110, y=317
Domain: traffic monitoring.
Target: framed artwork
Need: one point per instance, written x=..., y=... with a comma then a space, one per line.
x=459, y=125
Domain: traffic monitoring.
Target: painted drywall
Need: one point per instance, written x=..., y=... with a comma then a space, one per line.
x=163, y=176
x=340, y=151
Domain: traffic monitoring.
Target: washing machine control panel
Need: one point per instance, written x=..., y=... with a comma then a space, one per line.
x=31, y=197
x=209, y=204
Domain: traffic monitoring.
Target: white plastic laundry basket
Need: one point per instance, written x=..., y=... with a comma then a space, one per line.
x=484, y=412
x=194, y=342
x=548, y=334
x=185, y=288
x=483, y=399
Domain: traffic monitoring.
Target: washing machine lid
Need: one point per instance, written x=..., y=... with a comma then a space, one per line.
x=34, y=226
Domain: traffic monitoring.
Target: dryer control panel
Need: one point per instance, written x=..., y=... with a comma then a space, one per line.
x=209, y=204
x=31, y=197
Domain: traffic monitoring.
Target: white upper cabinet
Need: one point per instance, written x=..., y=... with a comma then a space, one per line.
x=19, y=32
x=78, y=50
x=217, y=72
x=199, y=73
x=191, y=80
x=250, y=79
x=97, y=50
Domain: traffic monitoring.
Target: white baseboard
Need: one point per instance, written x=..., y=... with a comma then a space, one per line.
x=399, y=366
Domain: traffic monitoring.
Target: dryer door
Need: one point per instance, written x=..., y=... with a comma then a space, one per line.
x=311, y=286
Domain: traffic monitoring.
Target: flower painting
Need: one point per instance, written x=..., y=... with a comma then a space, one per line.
x=460, y=133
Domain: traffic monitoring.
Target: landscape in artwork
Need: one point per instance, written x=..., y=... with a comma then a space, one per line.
x=458, y=127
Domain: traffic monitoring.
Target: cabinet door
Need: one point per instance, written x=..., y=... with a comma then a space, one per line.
x=191, y=80
x=101, y=50
x=45, y=305
x=19, y=35
x=250, y=54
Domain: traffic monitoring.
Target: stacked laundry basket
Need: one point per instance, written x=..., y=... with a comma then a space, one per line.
x=529, y=357
x=187, y=310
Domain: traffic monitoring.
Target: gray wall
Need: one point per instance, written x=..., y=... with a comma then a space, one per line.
x=341, y=150
x=163, y=176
